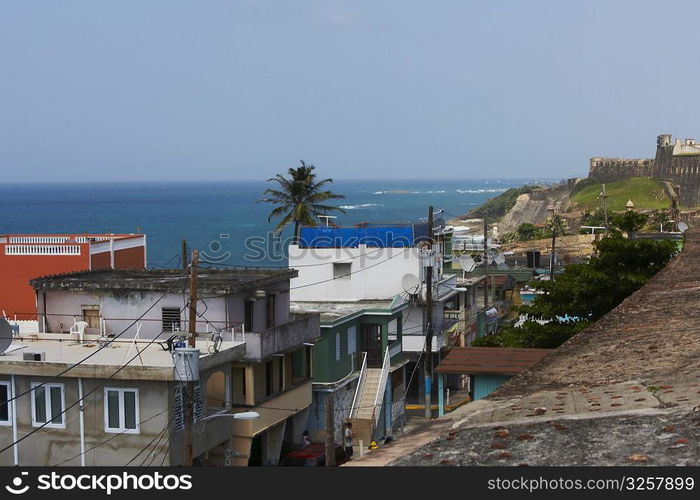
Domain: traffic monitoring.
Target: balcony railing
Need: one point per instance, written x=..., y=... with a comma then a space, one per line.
x=282, y=338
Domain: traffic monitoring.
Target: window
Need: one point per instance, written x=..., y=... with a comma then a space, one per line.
x=47, y=405
x=5, y=411
x=342, y=270
x=352, y=340
x=270, y=310
x=337, y=346
x=121, y=410
x=171, y=319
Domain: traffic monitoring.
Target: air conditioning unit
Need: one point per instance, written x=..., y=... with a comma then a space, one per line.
x=34, y=356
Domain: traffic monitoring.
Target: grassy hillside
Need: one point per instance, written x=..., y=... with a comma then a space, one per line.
x=644, y=193
x=497, y=207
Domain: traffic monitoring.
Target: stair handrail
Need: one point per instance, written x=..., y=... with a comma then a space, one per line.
x=381, y=387
x=360, y=380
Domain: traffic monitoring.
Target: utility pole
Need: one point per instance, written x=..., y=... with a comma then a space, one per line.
x=184, y=254
x=428, y=361
x=604, y=202
x=189, y=386
x=330, y=431
x=554, y=238
x=486, y=263
x=551, y=260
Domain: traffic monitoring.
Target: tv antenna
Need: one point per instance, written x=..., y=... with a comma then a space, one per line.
x=327, y=218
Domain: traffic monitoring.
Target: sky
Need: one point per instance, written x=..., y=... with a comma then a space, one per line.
x=135, y=90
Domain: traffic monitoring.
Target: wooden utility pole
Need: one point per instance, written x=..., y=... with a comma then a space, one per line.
x=188, y=399
x=486, y=263
x=604, y=203
x=428, y=356
x=184, y=254
x=193, y=299
x=554, y=237
x=330, y=431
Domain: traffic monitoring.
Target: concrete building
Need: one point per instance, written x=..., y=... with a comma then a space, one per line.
x=27, y=256
x=359, y=363
x=253, y=356
x=368, y=283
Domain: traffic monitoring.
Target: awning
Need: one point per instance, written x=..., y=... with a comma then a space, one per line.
x=490, y=360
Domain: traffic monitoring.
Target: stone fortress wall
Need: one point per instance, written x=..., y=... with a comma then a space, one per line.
x=676, y=161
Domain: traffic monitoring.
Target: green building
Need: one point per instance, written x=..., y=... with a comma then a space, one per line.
x=358, y=363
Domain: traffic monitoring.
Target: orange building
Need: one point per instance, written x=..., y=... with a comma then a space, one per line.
x=27, y=256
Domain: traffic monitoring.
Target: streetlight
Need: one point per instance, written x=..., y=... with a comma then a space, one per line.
x=244, y=415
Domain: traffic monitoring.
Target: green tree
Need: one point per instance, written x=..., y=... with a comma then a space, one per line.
x=300, y=198
x=587, y=291
x=526, y=232
x=660, y=218
x=630, y=221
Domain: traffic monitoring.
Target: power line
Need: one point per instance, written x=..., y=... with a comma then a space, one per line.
x=98, y=386
x=102, y=443
x=105, y=345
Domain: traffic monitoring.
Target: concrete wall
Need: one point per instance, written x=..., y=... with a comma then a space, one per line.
x=62, y=305
x=49, y=447
x=342, y=402
x=370, y=268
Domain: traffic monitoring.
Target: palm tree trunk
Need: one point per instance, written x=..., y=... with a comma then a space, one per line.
x=296, y=232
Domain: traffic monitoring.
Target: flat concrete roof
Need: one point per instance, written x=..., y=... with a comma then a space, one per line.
x=63, y=350
x=332, y=311
x=218, y=281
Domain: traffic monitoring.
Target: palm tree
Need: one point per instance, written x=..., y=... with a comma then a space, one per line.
x=299, y=198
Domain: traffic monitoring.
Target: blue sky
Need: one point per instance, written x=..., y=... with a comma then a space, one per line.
x=242, y=89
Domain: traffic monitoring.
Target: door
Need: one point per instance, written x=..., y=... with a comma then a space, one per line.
x=92, y=317
x=372, y=345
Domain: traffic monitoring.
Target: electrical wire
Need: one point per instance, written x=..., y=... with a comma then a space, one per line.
x=104, y=346
x=98, y=386
x=114, y=436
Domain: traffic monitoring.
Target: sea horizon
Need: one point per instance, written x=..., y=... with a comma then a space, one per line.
x=222, y=218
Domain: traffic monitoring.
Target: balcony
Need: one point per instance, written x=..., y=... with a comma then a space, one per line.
x=282, y=338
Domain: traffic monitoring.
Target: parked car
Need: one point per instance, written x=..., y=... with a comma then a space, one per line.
x=313, y=455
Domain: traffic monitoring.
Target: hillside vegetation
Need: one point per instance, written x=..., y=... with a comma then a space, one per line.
x=498, y=206
x=645, y=194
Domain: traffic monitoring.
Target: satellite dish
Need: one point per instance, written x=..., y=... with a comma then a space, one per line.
x=682, y=227
x=410, y=283
x=502, y=267
x=5, y=335
x=465, y=262
x=499, y=259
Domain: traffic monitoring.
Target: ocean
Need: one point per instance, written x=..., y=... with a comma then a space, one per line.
x=221, y=219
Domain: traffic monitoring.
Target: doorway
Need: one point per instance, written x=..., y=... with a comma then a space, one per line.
x=371, y=343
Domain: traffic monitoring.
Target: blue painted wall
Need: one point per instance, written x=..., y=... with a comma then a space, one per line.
x=486, y=384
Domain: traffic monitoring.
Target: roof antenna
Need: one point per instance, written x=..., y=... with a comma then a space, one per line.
x=327, y=217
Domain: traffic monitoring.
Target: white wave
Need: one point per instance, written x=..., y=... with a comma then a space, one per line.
x=362, y=205
x=482, y=190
